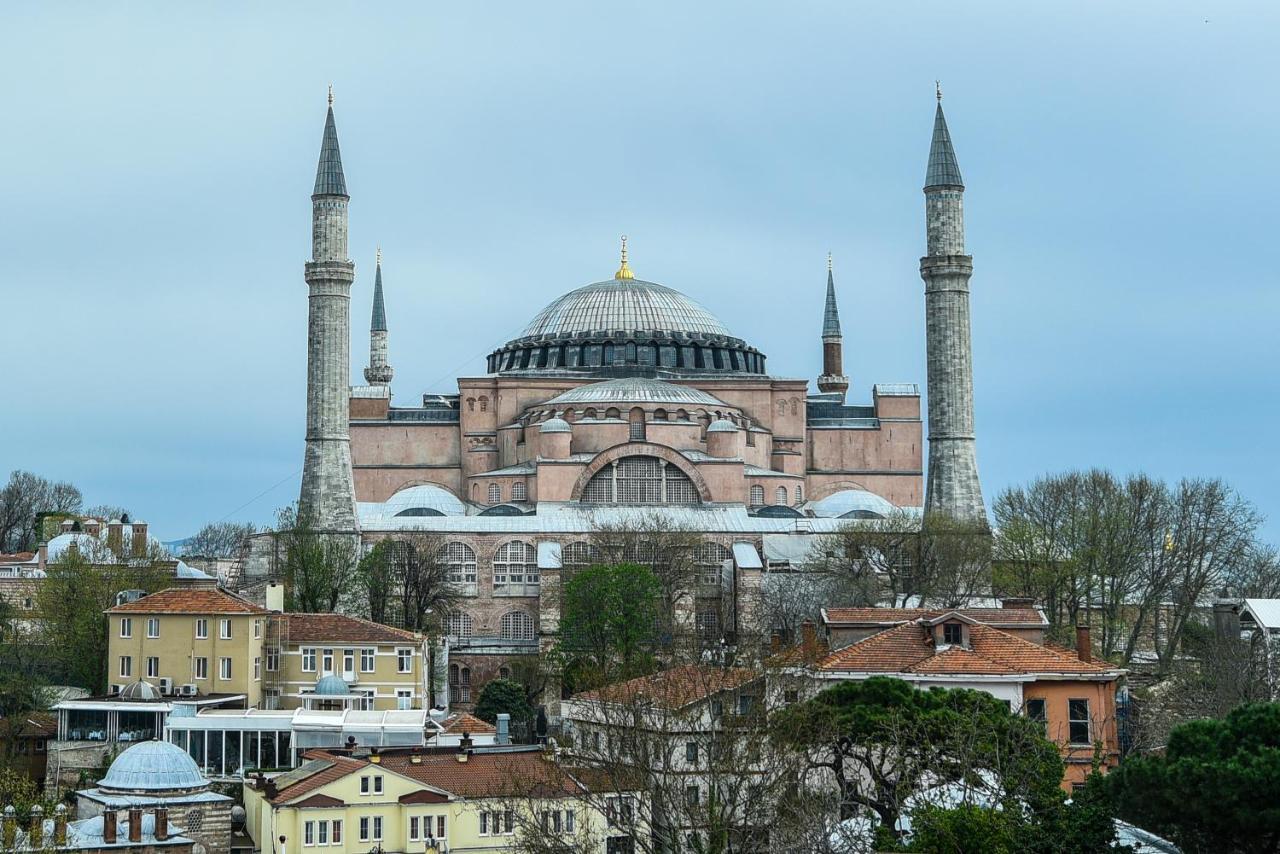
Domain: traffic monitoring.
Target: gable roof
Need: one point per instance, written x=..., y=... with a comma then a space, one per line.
x=319, y=770
x=674, y=688
x=891, y=616
x=463, y=722
x=315, y=628
x=1266, y=612
x=182, y=600
x=484, y=774
x=909, y=648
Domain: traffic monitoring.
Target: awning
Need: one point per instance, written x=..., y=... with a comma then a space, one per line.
x=746, y=556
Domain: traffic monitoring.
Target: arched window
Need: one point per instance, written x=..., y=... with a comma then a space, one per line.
x=576, y=556
x=612, y=412
x=460, y=562
x=458, y=624
x=504, y=672
x=495, y=493
x=636, y=420
x=517, y=625
x=659, y=414
x=799, y=495
x=757, y=495
x=515, y=563
x=459, y=684
x=681, y=415
x=710, y=558
x=517, y=491
x=780, y=496
x=589, y=414
x=640, y=480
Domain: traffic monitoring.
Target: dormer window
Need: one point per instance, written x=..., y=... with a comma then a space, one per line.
x=952, y=634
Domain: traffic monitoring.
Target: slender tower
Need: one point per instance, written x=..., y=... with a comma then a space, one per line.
x=378, y=372
x=328, y=495
x=953, y=486
x=833, y=380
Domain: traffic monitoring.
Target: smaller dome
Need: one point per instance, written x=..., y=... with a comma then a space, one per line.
x=722, y=426
x=141, y=690
x=847, y=501
x=424, y=496
x=332, y=686
x=153, y=766
x=555, y=425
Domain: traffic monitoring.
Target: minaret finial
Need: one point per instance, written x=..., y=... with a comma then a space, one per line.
x=379, y=257
x=330, y=94
x=624, y=272
x=828, y=262
x=937, y=87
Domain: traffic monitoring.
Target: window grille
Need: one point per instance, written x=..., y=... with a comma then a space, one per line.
x=517, y=625
x=517, y=491
x=780, y=496
x=757, y=496
x=579, y=556
x=460, y=560
x=515, y=563
x=707, y=624
x=710, y=558
x=458, y=624
x=799, y=495
x=495, y=493
x=640, y=480
x=637, y=425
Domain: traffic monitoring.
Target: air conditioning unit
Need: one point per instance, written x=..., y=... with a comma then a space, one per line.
x=166, y=685
x=188, y=690
x=116, y=688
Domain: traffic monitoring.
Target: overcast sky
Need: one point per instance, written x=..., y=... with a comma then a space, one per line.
x=1120, y=163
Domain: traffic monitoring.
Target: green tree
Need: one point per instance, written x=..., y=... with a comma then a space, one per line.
x=319, y=568
x=610, y=623
x=1216, y=788
x=504, y=695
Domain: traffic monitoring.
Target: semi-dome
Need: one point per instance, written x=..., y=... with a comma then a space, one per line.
x=634, y=390
x=722, y=426
x=332, y=686
x=851, y=504
x=628, y=305
x=425, y=499
x=555, y=425
x=153, y=766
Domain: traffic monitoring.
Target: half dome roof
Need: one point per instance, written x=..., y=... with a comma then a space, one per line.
x=635, y=390
x=627, y=305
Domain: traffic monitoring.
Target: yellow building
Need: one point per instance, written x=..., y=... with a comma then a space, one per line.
x=434, y=802
x=189, y=642
x=383, y=668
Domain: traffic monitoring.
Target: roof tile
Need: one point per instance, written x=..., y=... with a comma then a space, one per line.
x=315, y=628
x=182, y=600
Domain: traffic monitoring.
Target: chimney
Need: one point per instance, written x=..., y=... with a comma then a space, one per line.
x=115, y=535
x=139, y=539
x=1083, y=647
x=135, y=824
x=42, y=552
x=269, y=790
x=162, y=824
x=464, y=747
x=9, y=836
x=808, y=640
x=504, y=728
x=109, y=827
x=60, y=824
x=374, y=757
x=275, y=597
x=35, y=836
x=1010, y=602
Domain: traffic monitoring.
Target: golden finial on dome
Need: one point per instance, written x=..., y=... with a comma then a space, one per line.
x=624, y=272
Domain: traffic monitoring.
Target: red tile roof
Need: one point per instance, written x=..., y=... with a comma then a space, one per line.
x=674, y=688
x=328, y=767
x=317, y=628
x=486, y=775
x=909, y=648
x=463, y=722
x=185, y=600
x=888, y=616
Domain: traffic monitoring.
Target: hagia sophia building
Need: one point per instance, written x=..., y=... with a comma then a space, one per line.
x=620, y=400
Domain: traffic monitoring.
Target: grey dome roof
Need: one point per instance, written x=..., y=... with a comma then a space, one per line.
x=636, y=390
x=153, y=766
x=839, y=504
x=141, y=690
x=555, y=425
x=629, y=305
x=332, y=686
x=722, y=426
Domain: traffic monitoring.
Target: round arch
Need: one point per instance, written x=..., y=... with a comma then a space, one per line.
x=641, y=449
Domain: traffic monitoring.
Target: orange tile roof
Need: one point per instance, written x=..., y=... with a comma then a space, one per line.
x=316, y=628
x=486, y=775
x=186, y=600
x=908, y=648
x=16, y=557
x=674, y=688
x=336, y=768
x=884, y=616
x=463, y=722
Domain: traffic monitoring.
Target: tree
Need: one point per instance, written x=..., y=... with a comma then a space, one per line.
x=881, y=741
x=219, y=540
x=610, y=622
x=23, y=499
x=319, y=569
x=1216, y=788
x=668, y=548
x=83, y=583
x=504, y=695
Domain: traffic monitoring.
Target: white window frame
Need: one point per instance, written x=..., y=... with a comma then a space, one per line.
x=257, y=629
x=377, y=784
x=348, y=661
x=126, y=667
x=414, y=828
x=200, y=668
x=308, y=833
x=364, y=786
x=377, y=828
x=202, y=628
x=153, y=627
x=224, y=629
x=326, y=661
x=224, y=668
x=368, y=659
x=364, y=828
x=153, y=672
x=126, y=627
x=404, y=659
x=257, y=668
x=273, y=659
x=335, y=835
x=404, y=699
x=308, y=659
x=322, y=833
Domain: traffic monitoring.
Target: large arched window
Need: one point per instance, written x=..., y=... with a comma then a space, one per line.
x=459, y=561
x=710, y=558
x=495, y=493
x=577, y=556
x=640, y=480
x=757, y=495
x=517, y=625
x=458, y=624
x=515, y=563
x=517, y=491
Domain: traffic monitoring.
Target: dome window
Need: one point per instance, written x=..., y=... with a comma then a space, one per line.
x=636, y=420
x=640, y=480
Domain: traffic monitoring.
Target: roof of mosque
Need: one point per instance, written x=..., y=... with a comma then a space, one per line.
x=722, y=426
x=555, y=425
x=629, y=305
x=944, y=171
x=636, y=390
x=153, y=766
x=332, y=686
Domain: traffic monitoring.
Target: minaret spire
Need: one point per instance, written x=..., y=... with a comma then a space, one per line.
x=833, y=380
x=624, y=272
x=327, y=498
x=378, y=372
x=952, y=487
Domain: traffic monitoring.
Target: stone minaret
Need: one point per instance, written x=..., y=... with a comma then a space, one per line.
x=953, y=486
x=378, y=372
x=328, y=490
x=833, y=380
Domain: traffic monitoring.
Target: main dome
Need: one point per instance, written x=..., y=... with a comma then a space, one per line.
x=624, y=305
